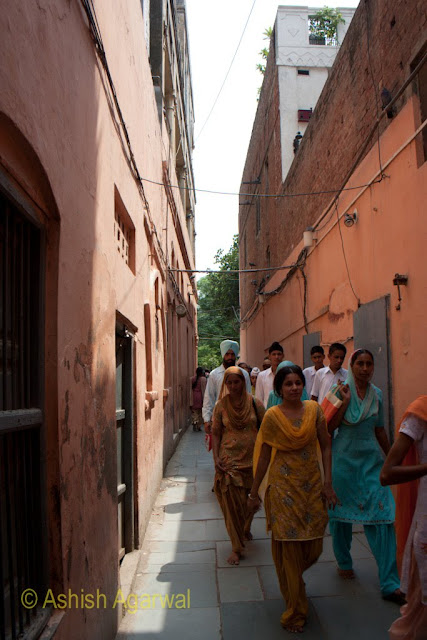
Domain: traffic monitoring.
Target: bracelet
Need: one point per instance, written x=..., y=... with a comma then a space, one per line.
x=252, y=498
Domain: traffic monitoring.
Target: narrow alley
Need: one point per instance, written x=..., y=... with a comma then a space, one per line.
x=185, y=551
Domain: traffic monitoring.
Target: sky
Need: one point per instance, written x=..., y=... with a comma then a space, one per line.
x=214, y=31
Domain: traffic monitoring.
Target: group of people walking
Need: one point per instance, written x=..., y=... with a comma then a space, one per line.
x=277, y=446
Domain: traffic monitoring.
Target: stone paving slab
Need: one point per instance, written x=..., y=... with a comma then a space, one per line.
x=356, y=617
x=358, y=550
x=186, y=547
x=178, y=546
x=176, y=530
x=239, y=584
x=202, y=586
x=257, y=553
x=183, y=493
x=216, y=530
x=185, y=557
x=171, y=567
x=181, y=475
x=197, y=511
x=261, y=620
x=172, y=624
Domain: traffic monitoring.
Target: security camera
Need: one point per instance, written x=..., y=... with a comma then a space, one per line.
x=350, y=218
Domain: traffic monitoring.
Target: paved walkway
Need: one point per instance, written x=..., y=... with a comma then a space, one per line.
x=186, y=547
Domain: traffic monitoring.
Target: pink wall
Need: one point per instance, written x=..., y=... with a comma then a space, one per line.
x=55, y=93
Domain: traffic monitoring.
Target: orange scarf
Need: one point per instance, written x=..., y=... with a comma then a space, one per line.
x=240, y=412
x=407, y=493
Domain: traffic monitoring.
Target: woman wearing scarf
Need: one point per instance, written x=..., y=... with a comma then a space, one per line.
x=285, y=455
x=237, y=416
x=407, y=463
x=273, y=398
x=356, y=466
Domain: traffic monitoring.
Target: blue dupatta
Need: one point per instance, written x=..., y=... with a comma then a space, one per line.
x=359, y=410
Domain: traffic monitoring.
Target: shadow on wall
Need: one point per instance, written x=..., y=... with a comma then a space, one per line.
x=51, y=177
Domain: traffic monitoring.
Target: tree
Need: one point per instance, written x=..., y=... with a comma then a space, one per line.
x=218, y=313
x=324, y=25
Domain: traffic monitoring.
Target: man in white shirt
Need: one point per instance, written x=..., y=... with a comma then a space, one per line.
x=229, y=352
x=328, y=376
x=265, y=379
x=317, y=355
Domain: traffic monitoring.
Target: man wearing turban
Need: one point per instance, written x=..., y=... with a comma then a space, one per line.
x=229, y=352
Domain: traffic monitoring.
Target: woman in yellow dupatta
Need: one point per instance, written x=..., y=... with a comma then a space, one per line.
x=236, y=418
x=295, y=500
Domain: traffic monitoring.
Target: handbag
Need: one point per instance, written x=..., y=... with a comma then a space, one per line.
x=208, y=441
x=331, y=403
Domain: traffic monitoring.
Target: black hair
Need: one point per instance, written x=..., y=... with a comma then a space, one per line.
x=317, y=349
x=360, y=352
x=199, y=373
x=276, y=346
x=337, y=346
x=281, y=375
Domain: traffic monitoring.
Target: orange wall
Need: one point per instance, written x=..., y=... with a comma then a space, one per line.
x=390, y=237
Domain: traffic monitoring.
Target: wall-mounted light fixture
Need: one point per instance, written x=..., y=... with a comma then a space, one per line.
x=398, y=281
x=308, y=237
x=350, y=218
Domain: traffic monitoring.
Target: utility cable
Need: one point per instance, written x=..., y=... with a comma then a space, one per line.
x=227, y=74
x=345, y=257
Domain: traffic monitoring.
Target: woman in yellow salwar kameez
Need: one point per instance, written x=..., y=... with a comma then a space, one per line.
x=236, y=419
x=295, y=499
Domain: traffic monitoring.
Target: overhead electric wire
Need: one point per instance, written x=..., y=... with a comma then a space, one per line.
x=258, y=195
x=227, y=74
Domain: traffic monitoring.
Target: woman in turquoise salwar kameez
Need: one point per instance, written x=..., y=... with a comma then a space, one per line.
x=356, y=467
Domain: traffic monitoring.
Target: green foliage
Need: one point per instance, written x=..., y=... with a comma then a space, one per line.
x=324, y=24
x=267, y=33
x=218, y=307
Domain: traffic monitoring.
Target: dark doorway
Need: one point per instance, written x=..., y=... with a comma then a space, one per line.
x=124, y=423
x=23, y=539
x=309, y=341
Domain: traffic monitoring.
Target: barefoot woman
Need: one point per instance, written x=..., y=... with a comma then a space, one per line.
x=234, y=430
x=295, y=498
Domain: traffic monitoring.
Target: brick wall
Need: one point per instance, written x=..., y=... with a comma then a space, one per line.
x=342, y=119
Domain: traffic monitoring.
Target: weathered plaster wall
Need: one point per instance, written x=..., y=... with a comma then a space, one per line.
x=344, y=114
x=391, y=230
x=388, y=238
x=56, y=94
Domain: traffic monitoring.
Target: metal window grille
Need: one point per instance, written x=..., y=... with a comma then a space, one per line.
x=22, y=561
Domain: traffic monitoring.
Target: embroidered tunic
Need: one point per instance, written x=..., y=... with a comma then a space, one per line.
x=293, y=500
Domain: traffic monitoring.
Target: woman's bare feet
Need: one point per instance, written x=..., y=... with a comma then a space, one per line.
x=347, y=574
x=234, y=558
